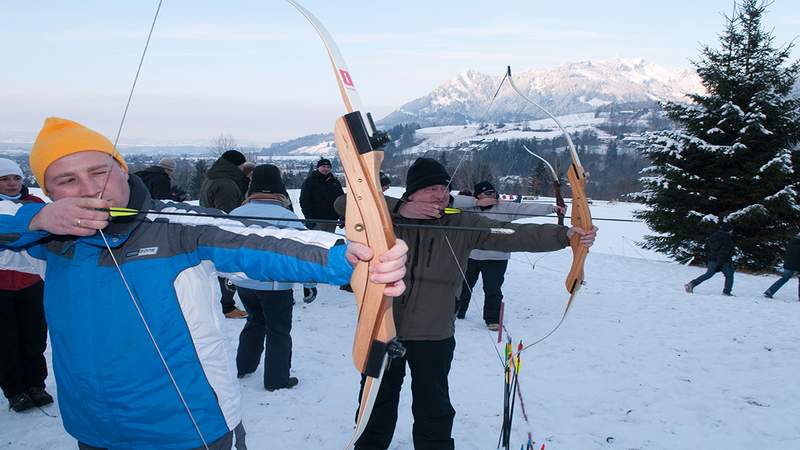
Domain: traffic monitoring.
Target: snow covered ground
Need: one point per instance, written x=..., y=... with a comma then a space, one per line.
x=638, y=363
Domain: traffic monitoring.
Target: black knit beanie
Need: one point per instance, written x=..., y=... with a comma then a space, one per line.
x=425, y=172
x=267, y=179
x=234, y=157
x=482, y=187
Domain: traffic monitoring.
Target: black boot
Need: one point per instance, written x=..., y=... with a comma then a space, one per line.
x=39, y=396
x=289, y=384
x=20, y=402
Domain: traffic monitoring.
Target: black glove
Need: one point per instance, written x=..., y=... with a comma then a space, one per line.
x=309, y=294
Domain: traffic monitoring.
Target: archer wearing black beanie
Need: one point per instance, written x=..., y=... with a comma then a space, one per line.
x=425, y=172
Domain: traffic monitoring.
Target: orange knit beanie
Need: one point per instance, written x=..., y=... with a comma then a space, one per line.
x=62, y=137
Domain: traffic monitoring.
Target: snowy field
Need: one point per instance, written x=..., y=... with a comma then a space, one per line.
x=638, y=363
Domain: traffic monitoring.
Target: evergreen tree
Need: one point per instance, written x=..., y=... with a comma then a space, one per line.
x=539, y=180
x=200, y=168
x=735, y=156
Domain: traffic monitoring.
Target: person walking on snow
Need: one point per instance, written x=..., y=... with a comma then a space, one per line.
x=719, y=252
x=490, y=264
x=23, y=330
x=791, y=268
x=172, y=383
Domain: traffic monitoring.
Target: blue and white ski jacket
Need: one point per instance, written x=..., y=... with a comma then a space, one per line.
x=113, y=390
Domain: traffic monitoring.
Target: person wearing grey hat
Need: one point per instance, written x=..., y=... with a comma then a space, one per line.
x=23, y=331
x=157, y=179
x=720, y=249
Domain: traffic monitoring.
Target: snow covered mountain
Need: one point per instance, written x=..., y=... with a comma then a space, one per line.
x=569, y=88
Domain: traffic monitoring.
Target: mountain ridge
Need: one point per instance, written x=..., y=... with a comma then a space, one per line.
x=572, y=87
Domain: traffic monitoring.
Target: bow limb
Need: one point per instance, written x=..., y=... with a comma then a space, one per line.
x=556, y=186
x=368, y=221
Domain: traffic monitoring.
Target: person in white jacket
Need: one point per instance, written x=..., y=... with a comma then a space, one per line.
x=490, y=264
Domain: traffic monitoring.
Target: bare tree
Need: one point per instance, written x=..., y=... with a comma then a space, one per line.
x=222, y=144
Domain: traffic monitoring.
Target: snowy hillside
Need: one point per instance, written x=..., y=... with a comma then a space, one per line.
x=638, y=363
x=433, y=138
x=569, y=88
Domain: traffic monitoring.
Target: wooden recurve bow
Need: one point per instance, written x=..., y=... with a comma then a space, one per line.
x=581, y=216
x=368, y=221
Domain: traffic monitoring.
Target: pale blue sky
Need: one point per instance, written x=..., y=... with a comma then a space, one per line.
x=256, y=69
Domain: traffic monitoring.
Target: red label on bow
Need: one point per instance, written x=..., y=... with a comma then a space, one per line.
x=346, y=78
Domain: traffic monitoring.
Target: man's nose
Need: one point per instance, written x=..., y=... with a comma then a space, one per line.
x=90, y=187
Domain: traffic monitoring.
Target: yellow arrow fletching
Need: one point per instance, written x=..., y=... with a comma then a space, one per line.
x=122, y=212
x=452, y=211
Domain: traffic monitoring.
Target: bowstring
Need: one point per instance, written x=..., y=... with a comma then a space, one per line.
x=111, y=253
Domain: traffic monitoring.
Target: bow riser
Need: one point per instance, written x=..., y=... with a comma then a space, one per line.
x=368, y=221
x=581, y=218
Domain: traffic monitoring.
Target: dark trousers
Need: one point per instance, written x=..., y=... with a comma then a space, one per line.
x=429, y=362
x=269, y=321
x=714, y=267
x=787, y=275
x=23, y=339
x=228, y=303
x=494, y=274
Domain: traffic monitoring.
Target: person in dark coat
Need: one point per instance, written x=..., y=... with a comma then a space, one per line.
x=23, y=331
x=317, y=195
x=224, y=188
x=719, y=251
x=791, y=267
x=424, y=315
x=226, y=183
x=158, y=181
x=268, y=303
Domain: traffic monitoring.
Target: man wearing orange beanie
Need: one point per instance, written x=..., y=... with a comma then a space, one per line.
x=172, y=383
